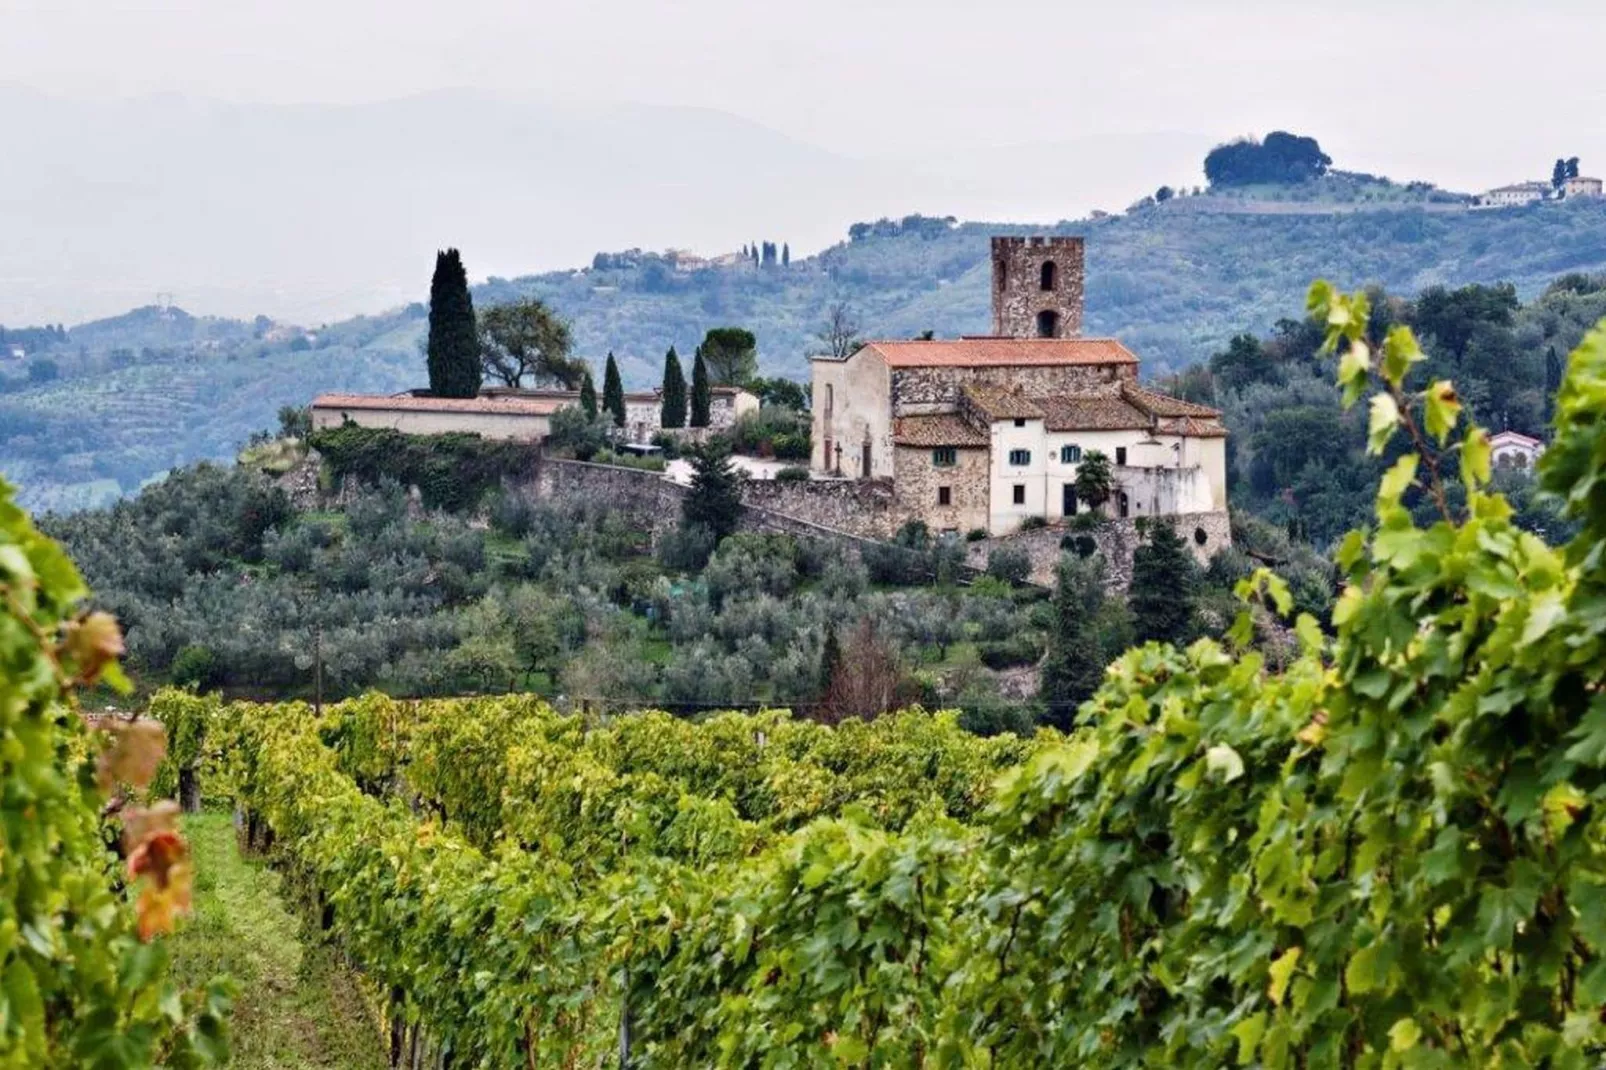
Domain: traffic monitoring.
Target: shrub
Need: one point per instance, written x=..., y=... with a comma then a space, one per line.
x=452, y=471
x=1009, y=563
x=1034, y=523
x=1020, y=649
x=976, y=535
x=792, y=474
x=196, y=666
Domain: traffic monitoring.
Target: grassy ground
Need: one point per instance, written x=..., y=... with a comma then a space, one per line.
x=296, y=1007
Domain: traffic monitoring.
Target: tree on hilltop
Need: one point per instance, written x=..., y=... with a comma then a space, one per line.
x=1281, y=159
x=673, y=412
x=701, y=392
x=731, y=354
x=1558, y=174
x=526, y=338
x=613, y=392
x=453, y=349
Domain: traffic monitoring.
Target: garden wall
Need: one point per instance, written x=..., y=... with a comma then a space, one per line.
x=1115, y=538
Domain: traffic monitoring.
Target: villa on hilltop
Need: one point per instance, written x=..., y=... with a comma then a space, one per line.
x=988, y=432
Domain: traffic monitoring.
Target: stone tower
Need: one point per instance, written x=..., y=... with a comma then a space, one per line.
x=1037, y=287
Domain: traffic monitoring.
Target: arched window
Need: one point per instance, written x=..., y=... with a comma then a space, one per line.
x=1048, y=279
x=1048, y=324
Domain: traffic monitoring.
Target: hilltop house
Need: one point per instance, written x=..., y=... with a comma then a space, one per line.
x=502, y=413
x=986, y=432
x=1518, y=193
x=1580, y=186
x=1512, y=449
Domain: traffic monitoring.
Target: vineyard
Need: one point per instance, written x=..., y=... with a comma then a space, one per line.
x=1389, y=852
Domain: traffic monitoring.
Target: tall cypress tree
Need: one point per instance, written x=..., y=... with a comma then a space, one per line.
x=674, y=392
x=453, y=351
x=786, y=254
x=701, y=393
x=1074, y=666
x=588, y=396
x=1552, y=383
x=613, y=392
x=1161, y=595
x=830, y=659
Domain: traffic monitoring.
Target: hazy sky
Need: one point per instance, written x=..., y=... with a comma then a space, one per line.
x=115, y=201
x=1466, y=87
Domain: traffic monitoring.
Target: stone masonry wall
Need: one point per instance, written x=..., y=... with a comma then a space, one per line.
x=1115, y=538
x=928, y=390
x=916, y=480
x=1018, y=295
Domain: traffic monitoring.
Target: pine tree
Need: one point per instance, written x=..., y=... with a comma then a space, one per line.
x=1074, y=666
x=786, y=254
x=673, y=413
x=588, y=396
x=714, y=502
x=453, y=350
x=701, y=396
x=1161, y=595
x=613, y=392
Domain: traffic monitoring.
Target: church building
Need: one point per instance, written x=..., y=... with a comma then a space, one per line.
x=987, y=432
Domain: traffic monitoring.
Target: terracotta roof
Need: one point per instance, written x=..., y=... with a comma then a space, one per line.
x=1165, y=404
x=1516, y=438
x=944, y=429
x=1002, y=402
x=1002, y=352
x=1092, y=412
x=510, y=406
x=1192, y=427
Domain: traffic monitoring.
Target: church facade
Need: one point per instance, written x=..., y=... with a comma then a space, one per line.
x=987, y=432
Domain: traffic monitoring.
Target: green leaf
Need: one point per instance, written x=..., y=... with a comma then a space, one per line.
x=1353, y=368
x=1395, y=482
x=1400, y=351
x=1475, y=470
x=1380, y=426
x=1404, y=1034
x=1282, y=968
x=1442, y=407
x=1365, y=971
x=1224, y=760
x=1248, y=1033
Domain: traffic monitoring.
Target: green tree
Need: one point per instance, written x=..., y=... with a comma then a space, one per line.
x=526, y=338
x=715, y=499
x=786, y=254
x=1161, y=595
x=1244, y=361
x=588, y=396
x=613, y=392
x=1095, y=481
x=1074, y=665
x=830, y=659
x=701, y=392
x=731, y=354
x=1552, y=383
x=453, y=349
x=674, y=392
x=1558, y=174
x=1572, y=167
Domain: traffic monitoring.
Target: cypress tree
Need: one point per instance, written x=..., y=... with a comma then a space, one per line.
x=1161, y=595
x=1074, y=666
x=613, y=393
x=588, y=396
x=701, y=396
x=674, y=392
x=786, y=254
x=830, y=660
x=453, y=350
x=1552, y=383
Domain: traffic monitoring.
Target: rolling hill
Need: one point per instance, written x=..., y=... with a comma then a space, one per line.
x=140, y=393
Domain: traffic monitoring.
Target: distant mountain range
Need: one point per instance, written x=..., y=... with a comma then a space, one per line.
x=316, y=212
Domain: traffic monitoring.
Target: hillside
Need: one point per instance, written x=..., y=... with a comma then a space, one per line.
x=1174, y=280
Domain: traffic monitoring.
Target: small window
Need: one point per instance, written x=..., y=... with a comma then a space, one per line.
x=1020, y=457
x=1049, y=274
x=830, y=398
x=944, y=457
x=1048, y=324
x=1120, y=455
x=1200, y=537
x=1070, y=455
x=945, y=496
x=1020, y=494
x=1019, y=422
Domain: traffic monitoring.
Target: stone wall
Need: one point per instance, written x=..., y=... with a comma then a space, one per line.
x=1018, y=293
x=921, y=391
x=917, y=480
x=863, y=508
x=1115, y=538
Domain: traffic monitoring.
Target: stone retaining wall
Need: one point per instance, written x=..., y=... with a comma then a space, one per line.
x=1115, y=537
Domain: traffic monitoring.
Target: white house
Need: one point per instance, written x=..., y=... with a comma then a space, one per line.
x=1511, y=449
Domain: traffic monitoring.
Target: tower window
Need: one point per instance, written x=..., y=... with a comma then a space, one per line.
x=1048, y=275
x=944, y=496
x=1048, y=324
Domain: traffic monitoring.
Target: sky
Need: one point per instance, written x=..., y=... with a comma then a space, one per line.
x=1469, y=93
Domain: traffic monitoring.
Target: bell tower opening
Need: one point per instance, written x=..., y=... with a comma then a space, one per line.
x=1037, y=287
